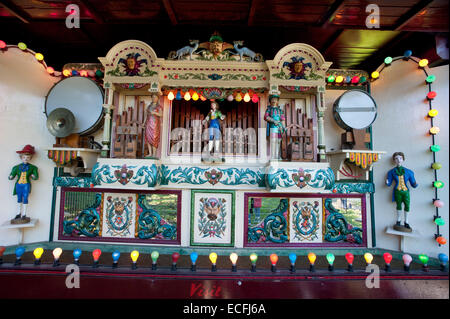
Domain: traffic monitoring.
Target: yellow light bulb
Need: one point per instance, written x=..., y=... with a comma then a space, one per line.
x=187, y=96
x=238, y=97
x=213, y=258
x=247, y=97
x=433, y=113
x=233, y=258
x=195, y=96
x=170, y=96
x=312, y=258
x=38, y=252
x=67, y=72
x=375, y=74
x=368, y=257
x=134, y=255
x=57, y=253
x=423, y=63
x=339, y=79
x=39, y=56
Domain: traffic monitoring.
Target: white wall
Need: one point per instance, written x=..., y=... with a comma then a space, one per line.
x=24, y=84
x=402, y=125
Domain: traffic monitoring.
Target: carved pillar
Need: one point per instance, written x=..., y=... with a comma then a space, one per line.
x=320, y=124
x=108, y=107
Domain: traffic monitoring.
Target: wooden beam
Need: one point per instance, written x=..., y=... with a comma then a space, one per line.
x=411, y=13
x=93, y=11
x=170, y=12
x=16, y=11
x=329, y=16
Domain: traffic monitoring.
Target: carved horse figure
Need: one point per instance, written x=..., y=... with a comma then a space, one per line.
x=246, y=51
x=187, y=50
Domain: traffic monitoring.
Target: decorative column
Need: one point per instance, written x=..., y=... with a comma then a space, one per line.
x=108, y=107
x=320, y=104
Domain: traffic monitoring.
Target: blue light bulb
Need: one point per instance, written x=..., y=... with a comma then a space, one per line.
x=443, y=258
x=348, y=79
x=178, y=96
x=19, y=251
x=115, y=256
x=194, y=257
x=292, y=258
x=76, y=253
x=407, y=53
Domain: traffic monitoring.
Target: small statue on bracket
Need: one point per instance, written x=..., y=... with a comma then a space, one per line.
x=152, y=126
x=275, y=118
x=25, y=173
x=212, y=119
x=401, y=176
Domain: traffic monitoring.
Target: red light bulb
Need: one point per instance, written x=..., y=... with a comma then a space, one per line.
x=2, y=44
x=431, y=95
x=274, y=259
x=96, y=254
x=175, y=257
x=2, y=250
x=349, y=257
x=387, y=258
x=355, y=79
x=441, y=240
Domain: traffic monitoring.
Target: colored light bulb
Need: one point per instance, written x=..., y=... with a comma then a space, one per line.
x=331, y=79
x=433, y=113
x=407, y=259
x=67, y=72
x=255, y=98
x=274, y=259
x=431, y=78
x=2, y=44
x=233, y=258
x=292, y=258
x=362, y=79
x=339, y=79
x=423, y=63
x=424, y=259
x=441, y=240
x=443, y=258
x=375, y=75
x=355, y=79
x=38, y=252
x=348, y=79
x=134, y=256
x=19, y=252
x=238, y=97
x=349, y=257
x=431, y=95
x=76, y=254
x=435, y=148
x=2, y=250
x=407, y=53
x=194, y=257
x=438, y=203
x=170, y=96
x=387, y=258
x=22, y=46
x=187, y=96
x=368, y=257
x=50, y=70
x=99, y=73
x=312, y=258
x=39, y=56
x=438, y=184
x=178, y=96
x=83, y=73
x=57, y=253
x=388, y=60
x=195, y=96
x=439, y=221
x=116, y=256
x=74, y=72
x=330, y=258
x=154, y=255
x=434, y=130
x=436, y=166
x=253, y=258
x=175, y=257
x=247, y=97
x=213, y=258
x=96, y=254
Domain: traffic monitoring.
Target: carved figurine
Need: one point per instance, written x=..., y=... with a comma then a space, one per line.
x=187, y=50
x=276, y=126
x=25, y=172
x=212, y=119
x=153, y=126
x=401, y=176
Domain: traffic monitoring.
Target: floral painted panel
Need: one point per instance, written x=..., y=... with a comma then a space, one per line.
x=305, y=220
x=119, y=211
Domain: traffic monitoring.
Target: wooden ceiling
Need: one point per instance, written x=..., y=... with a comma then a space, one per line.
x=337, y=28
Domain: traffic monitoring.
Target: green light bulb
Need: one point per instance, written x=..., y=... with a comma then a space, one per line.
x=154, y=256
x=439, y=221
x=438, y=184
x=253, y=258
x=331, y=78
x=362, y=79
x=330, y=258
x=388, y=60
x=435, y=148
x=431, y=78
x=423, y=259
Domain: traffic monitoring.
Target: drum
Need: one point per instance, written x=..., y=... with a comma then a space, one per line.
x=82, y=97
x=354, y=109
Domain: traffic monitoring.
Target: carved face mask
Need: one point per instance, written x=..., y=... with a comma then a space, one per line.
x=131, y=63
